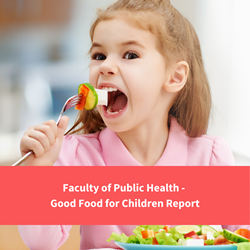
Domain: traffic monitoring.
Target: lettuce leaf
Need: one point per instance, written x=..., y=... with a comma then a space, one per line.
x=155, y=228
x=217, y=233
x=137, y=231
x=176, y=235
x=148, y=241
x=242, y=246
x=209, y=242
x=136, y=238
x=139, y=240
x=164, y=239
x=133, y=239
x=118, y=237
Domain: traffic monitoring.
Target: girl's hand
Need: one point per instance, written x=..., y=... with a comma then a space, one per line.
x=45, y=140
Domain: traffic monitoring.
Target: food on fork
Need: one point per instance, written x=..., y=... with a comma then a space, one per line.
x=84, y=90
x=91, y=97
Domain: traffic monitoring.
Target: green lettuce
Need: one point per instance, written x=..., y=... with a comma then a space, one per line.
x=209, y=242
x=137, y=231
x=133, y=239
x=148, y=241
x=136, y=238
x=176, y=235
x=118, y=237
x=217, y=233
x=155, y=228
x=242, y=246
x=164, y=239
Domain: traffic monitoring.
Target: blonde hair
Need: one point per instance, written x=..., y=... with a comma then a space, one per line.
x=177, y=41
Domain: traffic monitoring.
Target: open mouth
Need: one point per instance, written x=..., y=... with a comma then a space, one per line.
x=117, y=100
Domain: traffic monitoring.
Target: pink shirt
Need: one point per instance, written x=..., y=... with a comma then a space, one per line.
x=106, y=149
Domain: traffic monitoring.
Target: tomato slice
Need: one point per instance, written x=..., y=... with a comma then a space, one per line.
x=203, y=236
x=192, y=234
x=155, y=242
x=221, y=240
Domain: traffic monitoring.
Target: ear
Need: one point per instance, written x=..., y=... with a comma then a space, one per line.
x=177, y=77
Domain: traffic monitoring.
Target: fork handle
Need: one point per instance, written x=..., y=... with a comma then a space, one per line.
x=23, y=159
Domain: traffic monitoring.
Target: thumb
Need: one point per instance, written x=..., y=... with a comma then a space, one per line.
x=62, y=126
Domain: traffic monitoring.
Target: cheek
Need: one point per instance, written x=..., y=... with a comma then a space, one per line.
x=93, y=75
x=140, y=98
x=146, y=94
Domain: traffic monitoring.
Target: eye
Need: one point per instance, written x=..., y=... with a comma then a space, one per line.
x=99, y=56
x=130, y=55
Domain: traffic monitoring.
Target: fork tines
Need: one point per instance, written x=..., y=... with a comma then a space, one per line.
x=74, y=101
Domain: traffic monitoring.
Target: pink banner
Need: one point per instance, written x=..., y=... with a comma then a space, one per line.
x=124, y=195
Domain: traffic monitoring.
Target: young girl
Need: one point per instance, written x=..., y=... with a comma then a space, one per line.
x=148, y=56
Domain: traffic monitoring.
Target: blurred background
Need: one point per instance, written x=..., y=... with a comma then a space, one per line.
x=43, y=58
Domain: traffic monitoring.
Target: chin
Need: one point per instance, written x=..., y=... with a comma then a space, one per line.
x=117, y=128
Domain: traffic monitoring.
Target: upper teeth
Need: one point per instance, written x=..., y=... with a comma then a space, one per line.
x=109, y=89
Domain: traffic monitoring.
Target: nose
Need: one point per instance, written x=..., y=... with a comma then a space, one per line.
x=108, y=67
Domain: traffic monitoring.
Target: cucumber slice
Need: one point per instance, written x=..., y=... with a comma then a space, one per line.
x=205, y=229
x=92, y=97
x=184, y=229
x=234, y=237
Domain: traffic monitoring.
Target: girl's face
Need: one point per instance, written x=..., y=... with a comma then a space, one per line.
x=125, y=60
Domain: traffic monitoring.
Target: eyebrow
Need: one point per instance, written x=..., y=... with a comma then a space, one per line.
x=132, y=42
x=94, y=45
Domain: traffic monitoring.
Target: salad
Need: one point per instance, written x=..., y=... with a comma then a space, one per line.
x=185, y=235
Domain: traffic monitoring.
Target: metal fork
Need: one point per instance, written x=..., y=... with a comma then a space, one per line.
x=71, y=102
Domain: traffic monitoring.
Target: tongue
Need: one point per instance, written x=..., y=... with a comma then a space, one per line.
x=120, y=103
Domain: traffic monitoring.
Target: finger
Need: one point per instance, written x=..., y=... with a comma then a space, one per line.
x=31, y=144
x=52, y=124
x=41, y=138
x=49, y=129
x=62, y=126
